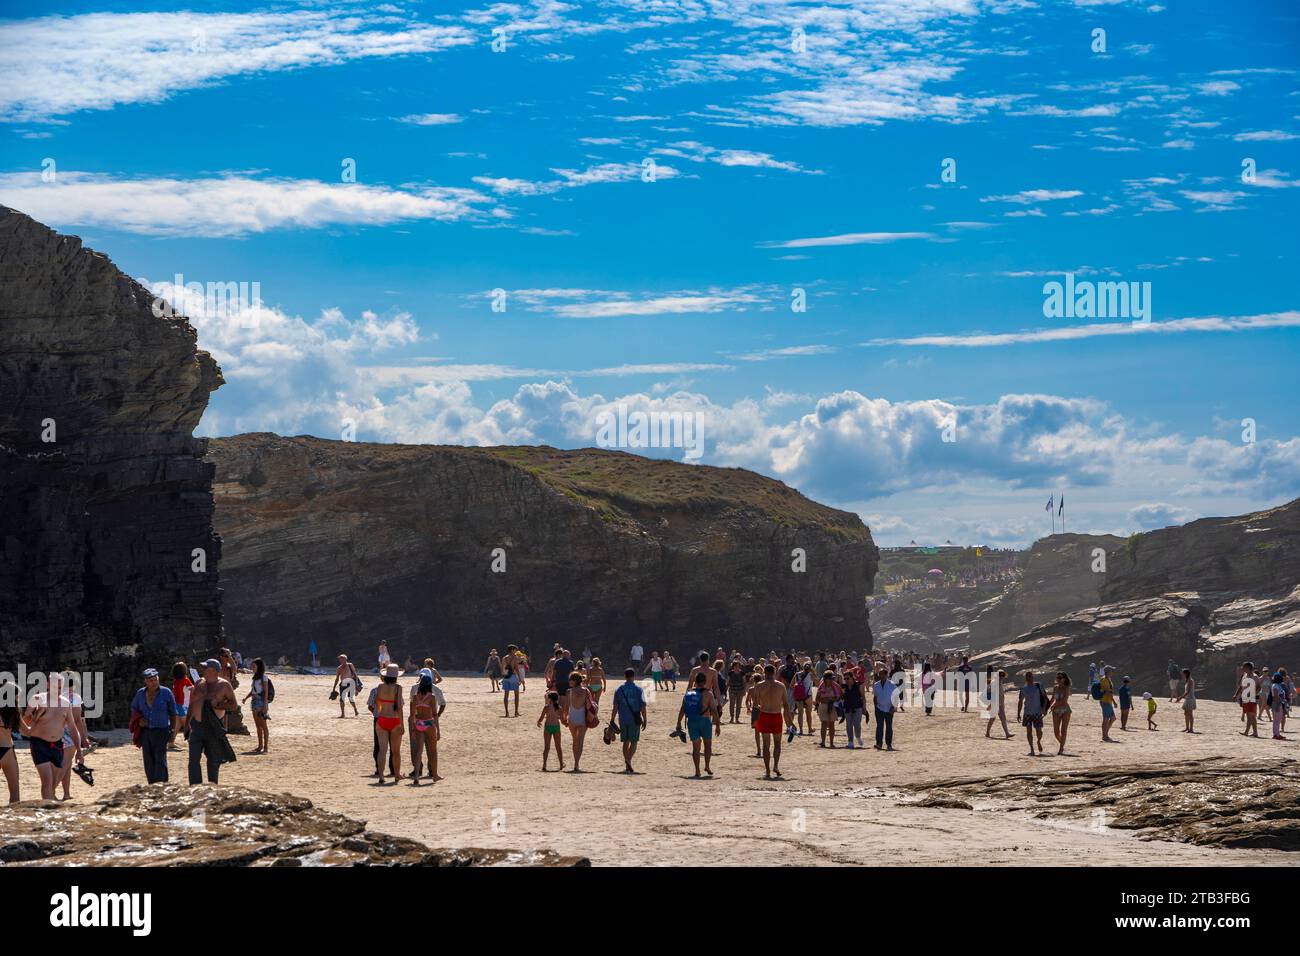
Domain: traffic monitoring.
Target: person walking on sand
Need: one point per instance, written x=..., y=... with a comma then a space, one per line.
x=885, y=693
x=1029, y=711
x=997, y=695
x=511, y=681
x=804, y=694
x=596, y=680
x=427, y=705
x=1278, y=701
x=373, y=707
x=260, y=690
x=575, y=716
x=388, y=716
x=629, y=709
x=9, y=723
x=657, y=669
x=562, y=670
x=384, y=657
x=347, y=683
x=1174, y=682
x=212, y=698
x=159, y=721
x=1247, y=694
x=736, y=685
x=699, y=708
x=1151, y=710
x=1125, y=694
x=928, y=681
x=854, y=705
x=1107, y=688
x=551, y=721
x=774, y=715
x=493, y=669
x=181, y=688
x=829, y=693
x=635, y=656
x=1188, y=698
x=1060, y=711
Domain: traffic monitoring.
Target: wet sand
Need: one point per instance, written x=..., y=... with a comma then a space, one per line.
x=833, y=807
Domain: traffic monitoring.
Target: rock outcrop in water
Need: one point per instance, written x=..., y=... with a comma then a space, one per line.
x=211, y=825
x=104, y=494
x=348, y=544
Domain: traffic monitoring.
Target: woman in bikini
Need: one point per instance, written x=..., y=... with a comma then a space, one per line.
x=424, y=724
x=596, y=680
x=8, y=724
x=553, y=715
x=388, y=717
x=576, y=715
x=1061, y=710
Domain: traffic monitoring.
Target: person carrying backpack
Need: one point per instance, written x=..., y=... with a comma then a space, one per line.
x=700, y=710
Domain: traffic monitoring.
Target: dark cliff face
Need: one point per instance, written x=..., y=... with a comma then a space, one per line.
x=349, y=544
x=99, y=525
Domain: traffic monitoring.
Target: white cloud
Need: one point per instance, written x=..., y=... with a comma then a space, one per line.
x=846, y=239
x=1272, y=320
x=430, y=119
x=1265, y=136
x=58, y=65
x=1026, y=196
x=227, y=206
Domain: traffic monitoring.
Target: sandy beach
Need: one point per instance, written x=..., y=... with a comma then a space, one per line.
x=836, y=807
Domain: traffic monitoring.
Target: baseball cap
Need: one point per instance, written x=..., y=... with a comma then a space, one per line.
x=151, y=672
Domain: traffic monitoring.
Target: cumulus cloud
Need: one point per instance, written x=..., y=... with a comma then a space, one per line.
x=1148, y=517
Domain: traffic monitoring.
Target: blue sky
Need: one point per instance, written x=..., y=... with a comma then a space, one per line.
x=794, y=146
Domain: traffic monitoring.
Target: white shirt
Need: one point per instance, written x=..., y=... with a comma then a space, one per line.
x=1248, y=689
x=656, y=663
x=637, y=652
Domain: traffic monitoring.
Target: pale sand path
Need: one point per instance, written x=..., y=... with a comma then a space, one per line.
x=662, y=816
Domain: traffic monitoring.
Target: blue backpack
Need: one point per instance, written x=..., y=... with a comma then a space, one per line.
x=1095, y=690
x=692, y=703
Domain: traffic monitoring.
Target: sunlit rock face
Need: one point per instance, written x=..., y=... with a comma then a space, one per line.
x=347, y=544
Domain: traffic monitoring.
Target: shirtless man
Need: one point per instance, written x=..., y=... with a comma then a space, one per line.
x=710, y=676
x=49, y=715
x=215, y=690
x=774, y=715
x=347, y=682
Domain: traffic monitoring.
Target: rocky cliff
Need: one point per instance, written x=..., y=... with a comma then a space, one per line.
x=1057, y=578
x=104, y=495
x=348, y=544
x=1207, y=595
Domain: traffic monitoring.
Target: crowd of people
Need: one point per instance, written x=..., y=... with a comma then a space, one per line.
x=781, y=695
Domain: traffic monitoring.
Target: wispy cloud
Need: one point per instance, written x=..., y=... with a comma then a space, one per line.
x=59, y=65
x=1271, y=320
x=228, y=206
x=846, y=239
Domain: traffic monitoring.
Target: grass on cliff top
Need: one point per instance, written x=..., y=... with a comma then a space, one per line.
x=620, y=484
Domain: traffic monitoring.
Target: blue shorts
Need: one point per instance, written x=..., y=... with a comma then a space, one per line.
x=510, y=683
x=1107, y=711
x=700, y=728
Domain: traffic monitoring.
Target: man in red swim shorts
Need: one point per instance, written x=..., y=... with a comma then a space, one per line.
x=773, y=716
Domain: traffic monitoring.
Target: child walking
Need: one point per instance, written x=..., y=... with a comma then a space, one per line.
x=552, y=715
x=1151, y=711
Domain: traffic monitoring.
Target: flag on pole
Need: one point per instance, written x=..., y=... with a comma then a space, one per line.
x=1051, y=502
x=1062, y=511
